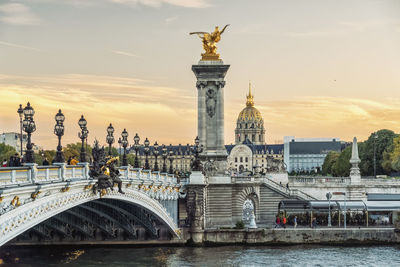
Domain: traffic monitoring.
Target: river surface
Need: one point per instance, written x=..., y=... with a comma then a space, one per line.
x=205, y=256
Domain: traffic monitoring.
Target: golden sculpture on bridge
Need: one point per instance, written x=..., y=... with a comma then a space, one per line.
x=210, y=41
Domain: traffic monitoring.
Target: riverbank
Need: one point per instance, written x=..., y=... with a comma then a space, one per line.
x=280, y=236
x=292, y=236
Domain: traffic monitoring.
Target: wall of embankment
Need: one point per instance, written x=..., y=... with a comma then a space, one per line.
x=350, y=236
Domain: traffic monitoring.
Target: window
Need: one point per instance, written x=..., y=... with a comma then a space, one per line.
x=241, y=159
x=245, y=136
x=245, y=126
x=259, y=138
x=236, y=159
x=253, y=138
x=247, y=159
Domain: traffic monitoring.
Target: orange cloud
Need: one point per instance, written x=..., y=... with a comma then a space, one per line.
x=169, y=115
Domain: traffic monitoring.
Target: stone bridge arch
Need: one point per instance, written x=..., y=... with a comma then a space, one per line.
x=26, y=216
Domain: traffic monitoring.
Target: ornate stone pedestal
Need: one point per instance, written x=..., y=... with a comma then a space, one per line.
x=210, y=84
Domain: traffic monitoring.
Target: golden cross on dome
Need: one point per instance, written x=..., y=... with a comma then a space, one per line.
x=250, y=100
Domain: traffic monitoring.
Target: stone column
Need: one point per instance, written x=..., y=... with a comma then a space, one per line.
x=355, y=175
x=210, y=76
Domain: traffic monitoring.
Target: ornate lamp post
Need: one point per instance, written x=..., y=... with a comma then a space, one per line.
x=164, y=156
x=156, y=152
x=83, y=135
x=29, y=128
x=136, y=139
x=110, y=138
x=120, y=144
x=59, y=131
x=171, y=160
x=146, y=153
x=124, y=142
x=20, y=113
x=375, y=138
x=197, y=149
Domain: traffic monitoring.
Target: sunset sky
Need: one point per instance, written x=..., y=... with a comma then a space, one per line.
x=317, y=68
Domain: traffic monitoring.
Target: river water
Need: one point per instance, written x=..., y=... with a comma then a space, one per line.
x=204, y=256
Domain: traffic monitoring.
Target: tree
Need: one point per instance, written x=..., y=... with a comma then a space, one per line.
x=382, y=141
x=342, y=166
x=49, y=154
x=391, y=157
x=329, y=161
x=6, y=152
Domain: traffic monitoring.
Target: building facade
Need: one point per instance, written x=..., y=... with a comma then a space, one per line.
x=250, y=153
x=308, y=154
x=14, y=139
x=250, y=124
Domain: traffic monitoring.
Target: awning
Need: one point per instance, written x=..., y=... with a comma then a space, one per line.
x=322, y=205
x=383, y=197
x=383, y=205
x=352, y=205
x=294, y=204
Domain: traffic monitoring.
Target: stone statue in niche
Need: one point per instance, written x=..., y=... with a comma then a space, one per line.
x=211, y=102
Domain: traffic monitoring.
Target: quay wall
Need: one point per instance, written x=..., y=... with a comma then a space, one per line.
x=350, y=236
x=219, y=237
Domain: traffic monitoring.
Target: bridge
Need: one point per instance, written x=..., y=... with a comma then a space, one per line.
x=32, y=195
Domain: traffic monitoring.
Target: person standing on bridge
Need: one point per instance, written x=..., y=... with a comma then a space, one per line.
x=295, y=221
x=45, y=162
x=4, y=164
x=73, y=161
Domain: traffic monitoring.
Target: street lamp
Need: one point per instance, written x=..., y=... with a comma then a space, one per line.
x=136, y=139
x=164, y=154
x=171, y=160
x=124, y=142
x=375, y=138
x=83, y=135
x=329, y=196
x=29, y=127
x=20, y=113
x=197, y=149
x=59, y=131
x=156, y=152
x=120, y=144
x=146, y=153
x=110, y=138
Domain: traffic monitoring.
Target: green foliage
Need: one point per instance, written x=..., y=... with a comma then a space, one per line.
x=342, y=166
x=6, y=152
x=49, y=154
x=383, y=144
x=329, y=161
x=239, y=225
x=391, y=158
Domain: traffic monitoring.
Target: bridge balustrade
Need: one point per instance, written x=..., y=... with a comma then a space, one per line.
x=14, y=176
x=319, y=180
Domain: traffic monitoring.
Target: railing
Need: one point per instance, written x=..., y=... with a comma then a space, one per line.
x=318, y=180
x=33, y=174
x=289, y=192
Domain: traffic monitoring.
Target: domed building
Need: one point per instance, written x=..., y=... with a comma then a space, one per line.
x=250, y=124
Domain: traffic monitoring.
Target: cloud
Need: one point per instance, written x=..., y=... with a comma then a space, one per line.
x=161, y=113
x=17, y=14
x=170, y=19
x=340, y=117
x=159, y=3
x=20, y=46
x=124, y=53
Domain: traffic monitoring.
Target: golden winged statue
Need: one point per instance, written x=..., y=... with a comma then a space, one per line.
x=210, y=41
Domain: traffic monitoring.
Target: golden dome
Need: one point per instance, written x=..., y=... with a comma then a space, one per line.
x=250, y=113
